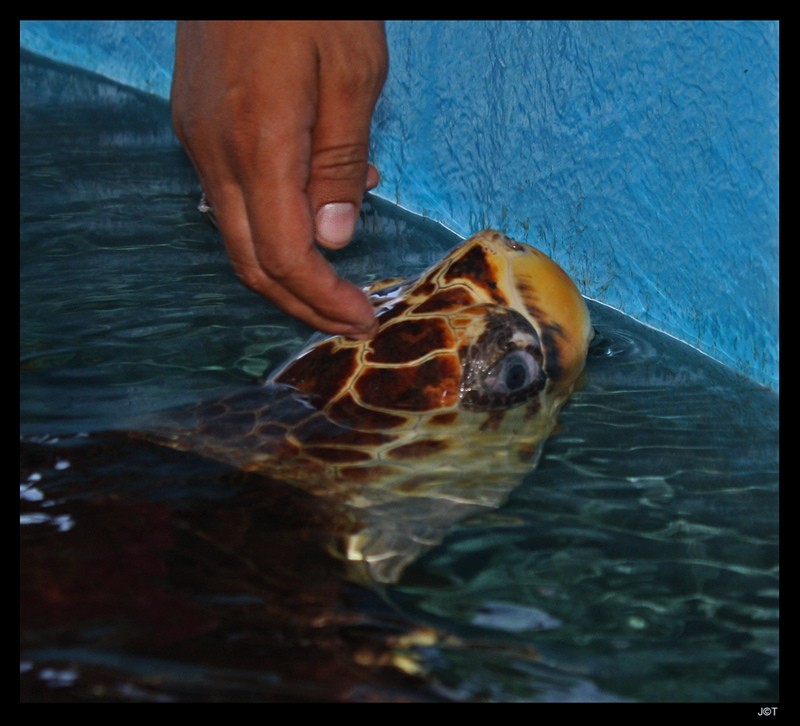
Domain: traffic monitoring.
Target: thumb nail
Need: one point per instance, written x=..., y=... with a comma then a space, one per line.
x=336, y=223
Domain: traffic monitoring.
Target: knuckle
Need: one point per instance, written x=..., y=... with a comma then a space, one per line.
x=342, y=162
x=281, y=269
x=363, y=77
x=359, y=68
x=232, y=124
x=262, y=279
x=239, y=127
x=280, y=265
x=250, y=277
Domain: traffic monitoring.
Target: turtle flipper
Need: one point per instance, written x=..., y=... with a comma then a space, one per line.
x=384, y=549
x=398, y=525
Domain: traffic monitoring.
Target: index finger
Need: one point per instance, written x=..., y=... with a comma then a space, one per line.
x=269, y=238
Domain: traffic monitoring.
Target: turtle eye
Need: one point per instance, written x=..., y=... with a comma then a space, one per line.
x=513, y=373
x=504, y=366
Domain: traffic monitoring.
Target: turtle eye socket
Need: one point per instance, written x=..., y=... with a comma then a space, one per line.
x=513, y=373
x=504, y=365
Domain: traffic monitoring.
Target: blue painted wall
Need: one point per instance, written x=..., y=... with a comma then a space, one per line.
x=643, y=156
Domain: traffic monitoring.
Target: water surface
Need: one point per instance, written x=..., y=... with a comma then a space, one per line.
x=639, y=562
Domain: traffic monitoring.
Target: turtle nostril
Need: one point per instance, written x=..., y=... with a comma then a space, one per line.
x=512, y=243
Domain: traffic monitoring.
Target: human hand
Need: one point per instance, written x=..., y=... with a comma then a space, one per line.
x=275, y=116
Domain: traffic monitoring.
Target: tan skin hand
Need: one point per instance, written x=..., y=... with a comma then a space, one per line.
x=275, y=116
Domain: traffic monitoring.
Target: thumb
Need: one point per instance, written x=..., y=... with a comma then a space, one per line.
x=339, y=176
x=352, y=73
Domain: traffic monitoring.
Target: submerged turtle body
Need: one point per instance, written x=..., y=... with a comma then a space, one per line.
x=437, y=417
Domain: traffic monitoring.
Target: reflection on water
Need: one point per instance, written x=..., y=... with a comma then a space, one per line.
x=639, y=562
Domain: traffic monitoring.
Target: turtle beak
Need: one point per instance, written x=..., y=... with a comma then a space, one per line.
x=546, y=295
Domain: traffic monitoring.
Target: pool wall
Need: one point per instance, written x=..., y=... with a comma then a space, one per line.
x=643, y=156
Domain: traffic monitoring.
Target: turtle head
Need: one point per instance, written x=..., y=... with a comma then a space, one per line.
x=493, y=324
x=533, y=312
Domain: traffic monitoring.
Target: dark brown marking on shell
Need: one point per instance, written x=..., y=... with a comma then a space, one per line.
x=270, y=431
x=444, y=419
x=415, y=485
x=323, y=371
x=273, y=402
x=273, y=446
x=493, y=420
x=408, y=340
x=446, y=301
x=348, y=413
x=390, y=313
x=232, y=425
x=474, y=266
x=218, y=411
x=286, y=449
x=427, y=286
x=425, y=387
x=367, y=474
x=320, y=430
x=205, y=411
x=334, y=455
x=418, y=449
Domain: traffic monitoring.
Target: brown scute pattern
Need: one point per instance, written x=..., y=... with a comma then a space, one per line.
x=240, y=423
x=273, y=446
x=278, y=403
x=444, y=419
x=286, y=450
x=323, y=371
x=321, y=430
x=446, y=301
x=335, y=455
x=270, y=431
x=475, y=267
x=425, y=387
x=415, y=485
x=367, y=474
x=427, y=286
x=418, y=449
x=408, y=340
x=349, y=413
x=392, y=312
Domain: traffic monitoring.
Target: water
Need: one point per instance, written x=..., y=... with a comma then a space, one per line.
x=639, y=562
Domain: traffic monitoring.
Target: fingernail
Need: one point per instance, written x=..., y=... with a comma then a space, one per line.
x=336, y=223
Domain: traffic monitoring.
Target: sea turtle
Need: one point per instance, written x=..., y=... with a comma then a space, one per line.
x=436, y=418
